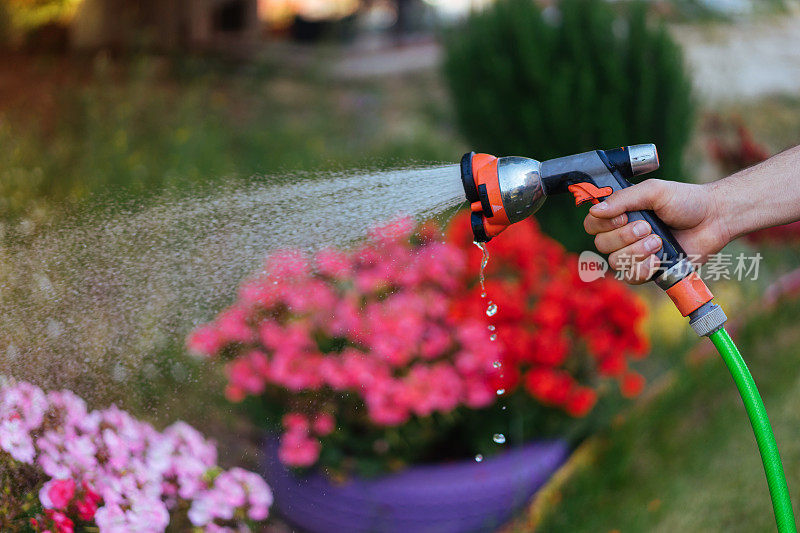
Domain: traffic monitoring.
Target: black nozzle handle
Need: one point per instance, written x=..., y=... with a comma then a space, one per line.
x=598, y=174
x=618, y=162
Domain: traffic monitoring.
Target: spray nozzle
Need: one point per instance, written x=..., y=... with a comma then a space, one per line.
x=505, y=190
x=500, y=190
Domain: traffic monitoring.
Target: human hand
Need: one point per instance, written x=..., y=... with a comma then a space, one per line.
x=690, y=210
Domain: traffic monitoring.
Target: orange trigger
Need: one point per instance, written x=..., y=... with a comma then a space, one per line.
x=586, y=192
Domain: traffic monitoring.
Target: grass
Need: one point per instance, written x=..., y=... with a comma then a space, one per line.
x=73, y=129
x=688, y=461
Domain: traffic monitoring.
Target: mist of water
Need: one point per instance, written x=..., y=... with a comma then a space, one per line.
x=98, y=295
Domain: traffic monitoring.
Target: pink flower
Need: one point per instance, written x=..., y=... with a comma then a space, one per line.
x=57, y=493
x=478, y=393
x=235, y=492
x=116, y=472
x=242, y=375
x=271, y=334
x=86, y=509
x=61, y=521
x=87, y=506
x=205, y=341
x=295, y=423
x=333, y=263
x=332, y=372
x=385, y=403
x=298, y=450
x=287, y=265
x=259, y=292
x=232, y=325
x=16, y=440
x=395, y=230
x=324, y=424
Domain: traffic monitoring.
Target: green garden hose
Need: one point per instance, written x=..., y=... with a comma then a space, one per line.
x=778, y=490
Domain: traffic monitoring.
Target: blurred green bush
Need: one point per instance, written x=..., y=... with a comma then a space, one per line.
x=547, y=83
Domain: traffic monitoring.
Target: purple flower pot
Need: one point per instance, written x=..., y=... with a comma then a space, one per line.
x=448, y=498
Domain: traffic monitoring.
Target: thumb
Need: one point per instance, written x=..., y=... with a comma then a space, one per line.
x=637, y=197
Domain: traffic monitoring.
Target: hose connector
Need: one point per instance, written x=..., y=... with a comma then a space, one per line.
x=708, y=319
x=692, y=297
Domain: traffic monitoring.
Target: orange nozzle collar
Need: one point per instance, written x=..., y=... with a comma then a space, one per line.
x=482, y=187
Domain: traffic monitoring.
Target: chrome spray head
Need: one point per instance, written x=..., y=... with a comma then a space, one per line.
x=501, y=191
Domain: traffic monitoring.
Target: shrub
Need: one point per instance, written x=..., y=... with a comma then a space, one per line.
x=382, y=356
x=526, y=84
x=63, y=466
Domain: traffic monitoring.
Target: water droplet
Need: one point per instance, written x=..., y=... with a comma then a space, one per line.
x=500, y=392
x=478, y=458
x=499, y=438
x=493, y=337
x=504, y=407
x=484, y=262
x=491, y=328
x=491, y=310
x=497, y=364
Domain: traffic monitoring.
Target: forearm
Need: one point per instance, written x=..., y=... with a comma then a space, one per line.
x=767, y=194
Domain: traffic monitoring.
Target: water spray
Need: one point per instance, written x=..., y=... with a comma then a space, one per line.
x=505, y=190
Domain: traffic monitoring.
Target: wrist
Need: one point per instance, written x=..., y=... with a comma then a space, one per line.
x=726, y=218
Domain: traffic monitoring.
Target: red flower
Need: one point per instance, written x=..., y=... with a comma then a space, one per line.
x=612, y=365
x=550, y=386
x=632, y=384
x=581, y=400
x=547, y=317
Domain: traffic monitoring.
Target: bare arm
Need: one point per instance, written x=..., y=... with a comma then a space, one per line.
x=767, y=194
x=704, y=218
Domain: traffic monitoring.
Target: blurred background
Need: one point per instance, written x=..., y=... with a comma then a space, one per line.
x=136, y=96
x=121, y=102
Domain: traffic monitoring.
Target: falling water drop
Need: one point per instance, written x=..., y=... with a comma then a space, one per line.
x=492, y=309
x=484, y=262
x=493, y=337
x=497, y=364
x=499, y=438
x=478, y=458
x=500, y=392
x=503, y=408
x=491, y=328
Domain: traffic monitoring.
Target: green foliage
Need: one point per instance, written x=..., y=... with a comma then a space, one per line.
x=19, y=486
x=135, y=129
x=524, y=84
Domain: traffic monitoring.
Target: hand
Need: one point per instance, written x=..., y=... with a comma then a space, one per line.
x=690, y=210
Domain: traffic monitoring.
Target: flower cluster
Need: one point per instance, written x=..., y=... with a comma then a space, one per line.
x=557, y=333
x=109, y=470
x=374, y=323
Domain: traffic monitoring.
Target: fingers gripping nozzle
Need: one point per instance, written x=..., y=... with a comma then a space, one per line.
x=501, y=191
